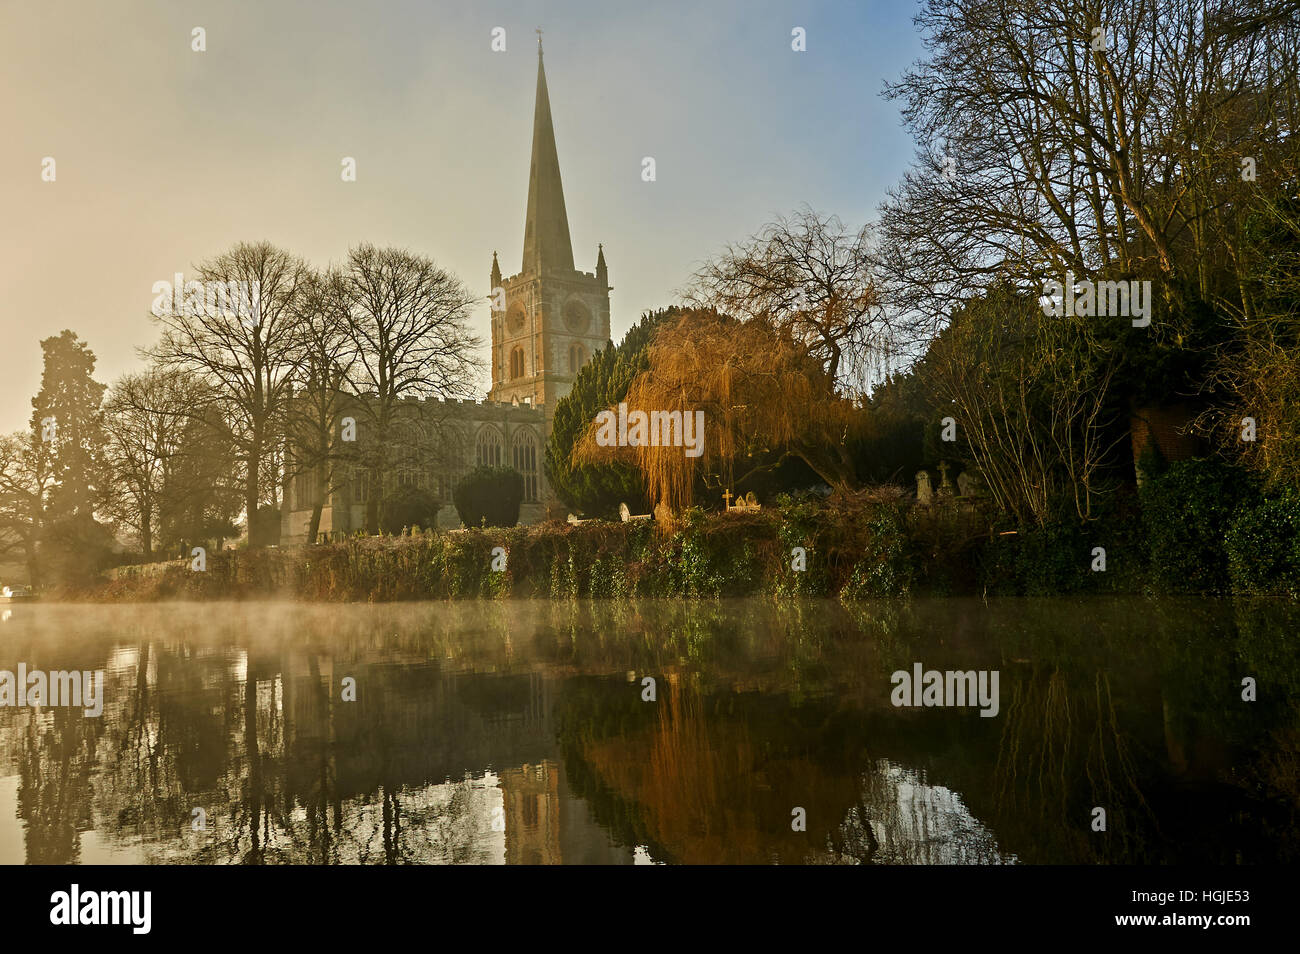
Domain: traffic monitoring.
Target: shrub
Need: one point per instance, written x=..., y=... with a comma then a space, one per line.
x=1039, y=561
x=74, y=550
x=800, y=516
x=490, y=495
x=1187, y=511
x=885, y=569
x=1263, y=547
x=408, y=507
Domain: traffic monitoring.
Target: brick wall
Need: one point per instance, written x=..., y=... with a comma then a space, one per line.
x=1167, y=428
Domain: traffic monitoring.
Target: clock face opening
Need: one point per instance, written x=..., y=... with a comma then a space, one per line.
x=577, y=316
x=516, y=318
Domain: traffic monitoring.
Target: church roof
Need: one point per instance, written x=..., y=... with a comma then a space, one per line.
x=547, y=246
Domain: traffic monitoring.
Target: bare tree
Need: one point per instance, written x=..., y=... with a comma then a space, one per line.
x=1106, y=138
x=250, y=358
x=27, y=477
x=1028, y=394
x=146, y=416
x=409, y=323
x=318, y=448
x=809, y=275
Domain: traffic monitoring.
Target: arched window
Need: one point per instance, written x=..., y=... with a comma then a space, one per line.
x=524, y=448
x=577, y=356
x=516, y=363
x=407, y=462
x=488, y=451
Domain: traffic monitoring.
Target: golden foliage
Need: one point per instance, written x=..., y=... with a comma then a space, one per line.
x=760, y=397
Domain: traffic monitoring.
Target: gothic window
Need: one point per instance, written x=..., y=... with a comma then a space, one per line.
x=517, y=363
x=489, y=450
x=360, y=485
x=525, y=461
x=577, y=355
x=304, y=490
x=409, y=451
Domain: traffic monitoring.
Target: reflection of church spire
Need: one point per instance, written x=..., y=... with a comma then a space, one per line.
x=547, y=246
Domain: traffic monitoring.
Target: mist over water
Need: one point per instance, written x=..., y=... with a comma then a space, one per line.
x=516, y=732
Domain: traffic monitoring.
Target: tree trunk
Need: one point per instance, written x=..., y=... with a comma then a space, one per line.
x=251, y=494
x=146, y=535
x=372, y=501
x=313, y=528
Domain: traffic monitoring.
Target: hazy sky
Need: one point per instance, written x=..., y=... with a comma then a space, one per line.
x=165, y=156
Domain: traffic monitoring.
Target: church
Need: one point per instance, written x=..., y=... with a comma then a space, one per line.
x=547, y=321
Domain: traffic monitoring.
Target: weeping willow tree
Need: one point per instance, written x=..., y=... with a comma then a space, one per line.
x=720, y=402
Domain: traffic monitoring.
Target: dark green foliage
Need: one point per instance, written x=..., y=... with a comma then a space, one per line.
x=597, y=490
x=74, y=550
x=1171, y=356
x=489, y=496
x=873, y=545
x=901, y=418
x=702, y=556
x=1187, y=511
x=1263, y=547
x=407, y=508
x=66, y=413
x=799, y=515
x=200, y=501
x=886, y=567
x=1034, y=561
x=266, y=528
x=1059, y=559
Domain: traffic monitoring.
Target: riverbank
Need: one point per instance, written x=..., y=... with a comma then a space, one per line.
x=870, y=546
x=876, y=544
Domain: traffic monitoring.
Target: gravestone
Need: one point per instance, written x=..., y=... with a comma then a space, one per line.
x=625, y=514
x=923, y=492
x=946, y=489
x=968, y=483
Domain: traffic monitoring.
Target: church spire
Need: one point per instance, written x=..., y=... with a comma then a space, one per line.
x=547, y=246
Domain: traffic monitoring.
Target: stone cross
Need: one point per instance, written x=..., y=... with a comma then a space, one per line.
x=946, y=488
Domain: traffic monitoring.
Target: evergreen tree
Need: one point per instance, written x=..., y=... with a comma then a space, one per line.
x=598, y=489
x=68, y=420
x=489, y=496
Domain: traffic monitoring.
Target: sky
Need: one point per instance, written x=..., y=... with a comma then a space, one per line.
x=164, y=156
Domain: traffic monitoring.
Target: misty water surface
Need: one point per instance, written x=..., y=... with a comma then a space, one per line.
x=516, y=732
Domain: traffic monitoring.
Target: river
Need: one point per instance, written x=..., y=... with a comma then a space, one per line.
x=739, y=731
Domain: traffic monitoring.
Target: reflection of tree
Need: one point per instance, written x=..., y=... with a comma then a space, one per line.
x=707, y=779
x=761, y=709
x=1276, y=773
x=54, y=795
x=1063, y=753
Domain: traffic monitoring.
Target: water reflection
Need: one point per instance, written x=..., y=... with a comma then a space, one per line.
x=516, y=733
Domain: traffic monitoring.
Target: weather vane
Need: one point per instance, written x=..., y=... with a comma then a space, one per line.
x=539, y=38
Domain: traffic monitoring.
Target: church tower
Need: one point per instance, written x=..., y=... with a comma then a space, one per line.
x=554, y=316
